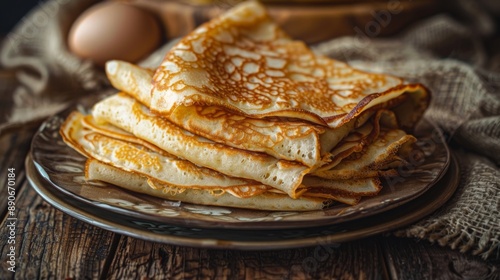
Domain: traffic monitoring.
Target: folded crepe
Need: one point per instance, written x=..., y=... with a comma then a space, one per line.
x=290, y=140
x=243, y=62
x=238, y=114
x=134, y=182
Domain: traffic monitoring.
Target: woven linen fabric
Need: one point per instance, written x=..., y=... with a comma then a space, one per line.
x=445, y=55
x=47, y=74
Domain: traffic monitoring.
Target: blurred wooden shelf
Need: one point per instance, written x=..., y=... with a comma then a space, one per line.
x=311, y=22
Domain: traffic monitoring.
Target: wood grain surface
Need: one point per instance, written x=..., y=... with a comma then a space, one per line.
x=52, y=245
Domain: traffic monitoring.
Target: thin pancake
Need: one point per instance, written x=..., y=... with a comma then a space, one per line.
x=164, y=168
x=289, y=140
x=360, y=137
x=385, y=151
x=96, y=170
x=244, y=62
x=107, y=129
x=129, y=115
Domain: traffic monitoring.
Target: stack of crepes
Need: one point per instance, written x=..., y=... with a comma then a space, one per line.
x=238, y=114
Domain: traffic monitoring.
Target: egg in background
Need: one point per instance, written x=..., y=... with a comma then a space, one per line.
x=114, y=30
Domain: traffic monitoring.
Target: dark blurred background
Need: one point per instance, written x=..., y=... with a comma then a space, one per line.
x=12, y=12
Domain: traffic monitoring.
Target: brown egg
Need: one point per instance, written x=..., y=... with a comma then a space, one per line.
x=111, y=30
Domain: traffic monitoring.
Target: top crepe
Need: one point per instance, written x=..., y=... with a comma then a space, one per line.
x=244, y=62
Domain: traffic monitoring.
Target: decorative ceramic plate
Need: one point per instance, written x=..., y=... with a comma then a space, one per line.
x=63, y=168
x=248, y=239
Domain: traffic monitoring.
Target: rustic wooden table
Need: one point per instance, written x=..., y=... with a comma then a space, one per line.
x=45, y=243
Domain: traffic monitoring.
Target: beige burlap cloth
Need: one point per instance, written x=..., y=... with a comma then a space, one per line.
x=446, y=55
